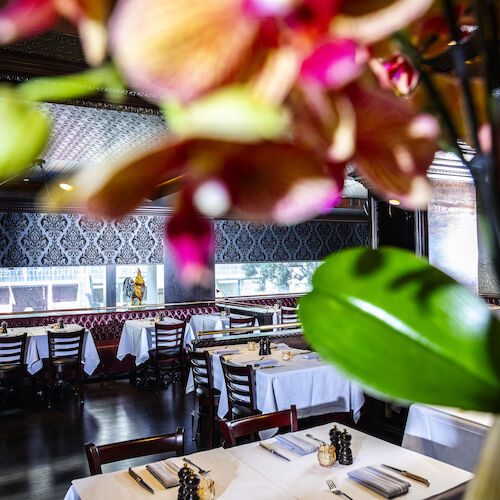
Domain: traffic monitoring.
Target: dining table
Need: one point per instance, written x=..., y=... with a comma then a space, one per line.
x=137, y=337
x=251, y=472
x=444, y=433
x=37, y=347
x=308, y=382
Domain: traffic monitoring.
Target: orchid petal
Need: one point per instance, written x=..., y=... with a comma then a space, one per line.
x=191, y=241
x=113, y=191
x=173, y=51
x=334, y=63
x=370, y=21
x=278, y=182
x=268, y=8
x=394, y=146
x=397, y=73
x=232, y=113
x=24, y=18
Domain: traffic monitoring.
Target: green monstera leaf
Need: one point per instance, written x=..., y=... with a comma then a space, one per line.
x=404, y=328
x=24, y=130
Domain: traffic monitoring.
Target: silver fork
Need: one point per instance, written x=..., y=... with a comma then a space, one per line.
x=200, y=470
x=335, y=490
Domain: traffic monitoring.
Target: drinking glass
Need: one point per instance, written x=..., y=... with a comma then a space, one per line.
x=207, y=489
x=326, y=455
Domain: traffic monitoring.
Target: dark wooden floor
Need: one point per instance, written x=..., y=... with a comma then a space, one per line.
x=42, y=451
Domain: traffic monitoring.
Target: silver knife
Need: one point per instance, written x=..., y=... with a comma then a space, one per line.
x=310, y=436
x=138, y=479
x=273, y=451
x=410, y=475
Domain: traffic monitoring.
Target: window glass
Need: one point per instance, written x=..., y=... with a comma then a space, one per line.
x=263, y=278
x=49, y=288
x=152, y=274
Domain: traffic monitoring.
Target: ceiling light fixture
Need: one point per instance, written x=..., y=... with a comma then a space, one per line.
x=394, y=202
x=66, y=187
x=26, y=179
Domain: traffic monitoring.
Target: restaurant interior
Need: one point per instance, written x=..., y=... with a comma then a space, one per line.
x=128, y=382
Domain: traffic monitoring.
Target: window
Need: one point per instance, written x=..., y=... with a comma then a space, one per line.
x=264, y=278
x=153, y=278
x=49, y=288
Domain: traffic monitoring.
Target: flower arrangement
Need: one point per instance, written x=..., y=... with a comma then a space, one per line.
x=269, y=102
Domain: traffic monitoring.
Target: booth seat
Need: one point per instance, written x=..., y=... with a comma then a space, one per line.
x=106, y=328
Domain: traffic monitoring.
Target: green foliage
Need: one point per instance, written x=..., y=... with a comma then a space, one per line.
x=24, y=130
x=278, y=274
x=404, y=328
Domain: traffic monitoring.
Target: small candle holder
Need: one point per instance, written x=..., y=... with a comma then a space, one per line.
x=223, y=313
x=206, y=489
x=252, y=346
x=326, y=455
x=286, y=355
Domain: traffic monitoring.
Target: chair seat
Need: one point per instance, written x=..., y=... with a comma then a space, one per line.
x=10, y=367
x=243, y=411
x=65, y=362
x=202, y=392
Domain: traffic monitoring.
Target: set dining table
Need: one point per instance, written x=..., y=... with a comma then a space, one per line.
x=37, y=346
x=251, y=472
x=306, y=381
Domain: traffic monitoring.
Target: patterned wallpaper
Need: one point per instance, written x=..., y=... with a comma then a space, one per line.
x=237, y=241
x=44, y=239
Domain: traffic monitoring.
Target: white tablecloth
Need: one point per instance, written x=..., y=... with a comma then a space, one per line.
x=137, y=338
x=447, y=434
x=312, y=385
x=210, y=323
x=249, y=472
x=37, y=347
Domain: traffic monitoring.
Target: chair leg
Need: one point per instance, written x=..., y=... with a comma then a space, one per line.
x=80, y=389
x=211, y=424
x=22, y=391
x=50, y=390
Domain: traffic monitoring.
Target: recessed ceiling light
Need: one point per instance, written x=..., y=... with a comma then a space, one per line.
x=26, y=180
x=395, y=202
x=66, y=187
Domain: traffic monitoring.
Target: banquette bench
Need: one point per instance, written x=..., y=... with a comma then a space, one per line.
x=106, y=327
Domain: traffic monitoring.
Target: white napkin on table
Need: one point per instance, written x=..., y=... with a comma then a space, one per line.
x=297, y=444
x=311, y=355
x=380, y=482
x=163, y=474
x=226, y=351
x=264, y=362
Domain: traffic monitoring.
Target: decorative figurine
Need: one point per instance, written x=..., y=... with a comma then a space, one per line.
x=183, y=474
x=191, y=485
x=134, y=289
x=345, y=453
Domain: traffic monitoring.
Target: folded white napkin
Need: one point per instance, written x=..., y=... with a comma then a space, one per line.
x=263, y=362
x=164, y=474
x=297, y=444
x=380, y=482
x=311, y=355
x=226, y=351
x=282, y=346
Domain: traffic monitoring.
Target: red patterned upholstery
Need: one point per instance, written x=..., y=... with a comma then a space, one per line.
x=107, y=327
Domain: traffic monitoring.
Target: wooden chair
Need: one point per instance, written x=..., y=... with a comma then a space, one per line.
x=65, y=361
x=12, y=366
x=168, y=350
x=256, y=423
x=289, y=315
x=208, y=396
x=240, y=387
x=108, y=453
x=240, y=323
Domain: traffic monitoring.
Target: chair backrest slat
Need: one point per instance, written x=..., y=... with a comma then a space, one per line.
x=240, y=385
x=169, y=337
x=12, y=349
x=256, y=423
x=65, y=344
x=201, y=366
x=246, y=321
x=108, y=453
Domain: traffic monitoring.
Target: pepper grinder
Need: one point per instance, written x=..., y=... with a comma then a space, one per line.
x=61, y=323
x=4, y=326
x=345, y=455
x=262, y=347
x=191, y=486
x=335, y=440
x=182, y=475
x=268, y=346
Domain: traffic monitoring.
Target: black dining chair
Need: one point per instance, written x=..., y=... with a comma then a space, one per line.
x=207, y=395
x=240, y=388
x=115, y=452
x=12, y=365
x=249, y=426
x=168, y=351
x=238, y=322
x=65, y=361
